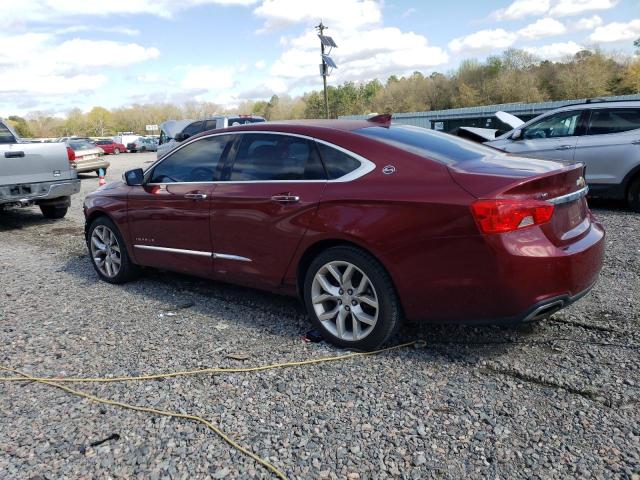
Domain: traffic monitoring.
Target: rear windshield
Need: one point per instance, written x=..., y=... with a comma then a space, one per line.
x=442, y=147
x=81, y=145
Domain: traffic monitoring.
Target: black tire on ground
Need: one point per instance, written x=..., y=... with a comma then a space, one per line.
x=128, y=270
x=634, y=195
x=53, y=211
x=389, y=309
x=143, y=149
x=116, y=151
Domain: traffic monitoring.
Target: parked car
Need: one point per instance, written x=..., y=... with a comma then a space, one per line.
x=143, y=144
x=603, y=135
x=172, y=132
x=86, y=156
x=111, y=147
x=35, y=174
x=366, y=221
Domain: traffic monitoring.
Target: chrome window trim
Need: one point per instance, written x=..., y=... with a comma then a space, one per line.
x=366, y=166
x=199, y=253
x=570, y=197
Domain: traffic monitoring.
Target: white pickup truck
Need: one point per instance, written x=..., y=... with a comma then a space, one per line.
x=35, y=174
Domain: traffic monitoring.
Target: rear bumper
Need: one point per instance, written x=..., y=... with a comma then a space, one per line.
x=500, y=279
x=91, y=165
x=28, y=193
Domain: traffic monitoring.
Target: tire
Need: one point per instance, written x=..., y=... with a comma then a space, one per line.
x=381, y=322
x=53, y=211
x=143, y=149
x=116, y=151
x=102, y=237
x=633, y=197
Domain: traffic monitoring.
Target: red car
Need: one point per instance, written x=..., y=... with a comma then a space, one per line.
x=110, y=147
x=368, y=223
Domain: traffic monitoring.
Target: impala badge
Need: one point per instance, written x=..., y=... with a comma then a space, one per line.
x=580, y=182
x=389, y=169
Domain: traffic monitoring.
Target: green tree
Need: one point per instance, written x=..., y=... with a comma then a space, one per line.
x=99, y=122
x=20, y=125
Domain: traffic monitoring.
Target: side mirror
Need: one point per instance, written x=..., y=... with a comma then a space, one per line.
x=181, y=137
x=516, y=135
x=134, y=177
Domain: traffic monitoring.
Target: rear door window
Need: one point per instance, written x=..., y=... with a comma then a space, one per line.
x=337, y=163
x=196, y=162
x=613, y=120
x=268, y=157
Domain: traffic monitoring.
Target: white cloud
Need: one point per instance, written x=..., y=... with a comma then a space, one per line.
x=408, y=12
x=93, y=28
x=338, y=14
x=522, y=8
x=545, y=27
x=555, y=50
x=586, y=23
x=360, y=55
x=575, y=7
x=47, y=10
x=616, y=32
x=483, y=41
x=260, y=64
x=204, y=78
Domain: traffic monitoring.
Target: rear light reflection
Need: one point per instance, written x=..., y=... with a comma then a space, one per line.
x=500, y=216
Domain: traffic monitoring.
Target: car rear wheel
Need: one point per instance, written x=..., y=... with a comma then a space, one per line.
x=350, y=298
x=116, y=151
x=108, y=252
x=634, y=195
x=52, y=211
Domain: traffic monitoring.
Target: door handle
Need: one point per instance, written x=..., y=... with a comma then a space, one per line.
x=285, y=198
x=13, y=154
x=195, y=196
x=635, y=142
x=564, y=147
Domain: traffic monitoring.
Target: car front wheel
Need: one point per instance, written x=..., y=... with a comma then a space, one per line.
x=351, y=299
x=116, y=151
x=108, y=252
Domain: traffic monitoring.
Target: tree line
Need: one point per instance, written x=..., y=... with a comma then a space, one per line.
x=513, y=76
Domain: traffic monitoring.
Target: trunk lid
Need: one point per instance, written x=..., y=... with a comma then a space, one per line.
x=23, y=163
x=517, y=178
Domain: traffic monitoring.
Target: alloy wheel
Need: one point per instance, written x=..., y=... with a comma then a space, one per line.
x=345, y=300
x=105, y=251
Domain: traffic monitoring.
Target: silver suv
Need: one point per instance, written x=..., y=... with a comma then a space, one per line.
x=603, y=135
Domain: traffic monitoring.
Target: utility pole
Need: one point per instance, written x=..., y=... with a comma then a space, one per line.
x=323, y=68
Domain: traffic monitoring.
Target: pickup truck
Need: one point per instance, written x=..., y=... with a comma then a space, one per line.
x=35, y=174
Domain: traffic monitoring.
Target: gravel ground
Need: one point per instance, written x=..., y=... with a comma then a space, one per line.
x=556, y=399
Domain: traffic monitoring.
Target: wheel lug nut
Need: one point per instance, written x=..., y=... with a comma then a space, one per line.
x=339, y=302
x=341, y=292
x=354, y=303
x=350, y=292
x=347, y=308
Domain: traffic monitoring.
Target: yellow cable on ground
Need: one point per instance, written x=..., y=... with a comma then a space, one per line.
x=56, y=383
x=214, y=369
x=165, y=413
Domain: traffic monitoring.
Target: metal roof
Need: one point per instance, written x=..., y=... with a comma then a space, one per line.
x=421, y=118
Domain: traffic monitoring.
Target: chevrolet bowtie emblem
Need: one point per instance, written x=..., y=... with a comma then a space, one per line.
x=580, y=182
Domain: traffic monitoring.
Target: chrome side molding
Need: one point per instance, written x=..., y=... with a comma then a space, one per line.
x=222, y=256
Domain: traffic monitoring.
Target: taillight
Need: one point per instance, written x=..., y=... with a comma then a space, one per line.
x=499, y=216
x=71, y=155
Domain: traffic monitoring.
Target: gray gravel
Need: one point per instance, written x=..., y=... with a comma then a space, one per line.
x=554, y=400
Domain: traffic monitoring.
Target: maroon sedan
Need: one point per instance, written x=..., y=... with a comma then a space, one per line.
x=110, y=147
x=367, y=222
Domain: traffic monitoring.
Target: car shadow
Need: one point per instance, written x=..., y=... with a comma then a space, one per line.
x=19, y=218
x=285, y=316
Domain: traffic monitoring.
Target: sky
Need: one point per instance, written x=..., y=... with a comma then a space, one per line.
x=61, y=54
